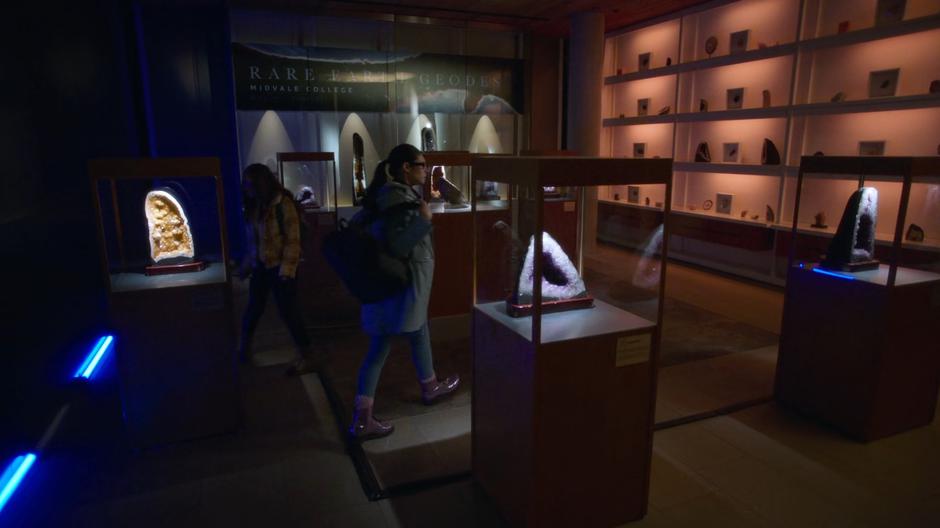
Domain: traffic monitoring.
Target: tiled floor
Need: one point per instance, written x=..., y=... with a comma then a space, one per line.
x=758, y=467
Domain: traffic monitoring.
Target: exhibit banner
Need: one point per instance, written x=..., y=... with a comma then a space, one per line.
x=271, y=77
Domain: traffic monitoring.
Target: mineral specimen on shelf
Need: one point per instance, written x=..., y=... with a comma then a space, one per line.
x=769, y=214
x=820, y=220
x=915, y=233
x=843, y=27
x=889, y=11
x=703, y=105
x=307, y=197
x=766, y=98
x=735, y=98
x=692, y=207
x=616, y=197
x=818, y=153
x=619, y=71
x=935, y=86
x=647, y=200
x=838, y=97
x=170, y=235
x=707, y=205
x=623, y=116
x=769, y=155
x=560, y=279
x=658, y=204
x=853, y=246
x=642, y=106
x=711, y=44
x=755, y=217
x=883, y=83
x=664, y=110
x=643, y=61
x=738, y=42
x=744, y=213
x=702, y=153
x=668, y=61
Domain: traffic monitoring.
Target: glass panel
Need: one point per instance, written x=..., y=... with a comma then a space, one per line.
x=161, y=232
x=312, y=183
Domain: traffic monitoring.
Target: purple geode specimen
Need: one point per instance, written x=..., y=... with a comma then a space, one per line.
x=853, y=246
x=560, y=279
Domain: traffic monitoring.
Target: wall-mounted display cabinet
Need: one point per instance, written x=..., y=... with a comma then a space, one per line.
x=738, y=91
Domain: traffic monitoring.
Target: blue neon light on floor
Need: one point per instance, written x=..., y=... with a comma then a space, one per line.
x=94, y=357
x=839, y=275
x=13, y=475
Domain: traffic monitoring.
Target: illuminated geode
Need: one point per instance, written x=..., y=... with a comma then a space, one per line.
x=170, y=235
x=562, y=286
x=853, y=246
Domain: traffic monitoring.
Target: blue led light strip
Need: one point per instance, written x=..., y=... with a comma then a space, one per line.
x=833, y=274
x=13, y=475
x=94, y=357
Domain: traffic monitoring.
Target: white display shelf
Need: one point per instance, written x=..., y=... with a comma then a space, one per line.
x=801, y=34
x=874, y=104
x=640, y=120
x=704, y=64
x=699, y=212
x=732, y=115
x=803, y=228
x=870, y=34
x=732, y=168
x=631, y=205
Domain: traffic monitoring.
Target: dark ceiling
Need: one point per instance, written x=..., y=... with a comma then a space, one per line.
x=549, y=17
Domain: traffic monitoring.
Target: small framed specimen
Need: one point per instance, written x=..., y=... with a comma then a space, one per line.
x=643, y=61
x=731, y=153
x=883, y=83
x=643, y=107
x=633, y=194
x=735, y=98
x=738, y=42
x=639, y=150
x=871, y=148
x=723, y=203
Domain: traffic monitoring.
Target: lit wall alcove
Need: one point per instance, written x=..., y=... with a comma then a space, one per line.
x=738, y=91
x=263, y=133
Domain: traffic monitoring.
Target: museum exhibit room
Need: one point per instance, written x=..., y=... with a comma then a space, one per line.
x=394, y=264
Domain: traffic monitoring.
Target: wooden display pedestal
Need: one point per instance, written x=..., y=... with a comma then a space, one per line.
x=176, y=359
x=562, y=430
x=860, y=355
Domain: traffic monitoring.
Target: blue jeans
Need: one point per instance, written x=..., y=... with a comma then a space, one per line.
x=379, y=347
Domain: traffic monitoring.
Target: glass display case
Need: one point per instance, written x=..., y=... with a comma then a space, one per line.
x=160, y=222
x=560, y=321
x=310, y=177
x=448, y=185
x=857, y=348
x=164, y=249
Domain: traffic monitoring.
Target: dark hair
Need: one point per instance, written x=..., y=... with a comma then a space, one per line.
x=259, y=172
x=404, y=153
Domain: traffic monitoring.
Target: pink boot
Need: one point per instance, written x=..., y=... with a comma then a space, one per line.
x=433, y=389
x=364, y=426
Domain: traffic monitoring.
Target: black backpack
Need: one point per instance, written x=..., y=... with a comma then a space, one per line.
x=367, y=269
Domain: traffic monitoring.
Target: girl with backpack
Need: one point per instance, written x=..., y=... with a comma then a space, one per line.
x=402, y=221
x=274, y=225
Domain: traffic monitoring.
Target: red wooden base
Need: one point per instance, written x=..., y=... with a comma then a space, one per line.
x=523, y=310
x=169, y=269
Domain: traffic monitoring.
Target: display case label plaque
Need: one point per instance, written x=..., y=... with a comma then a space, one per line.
x=632, y=350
